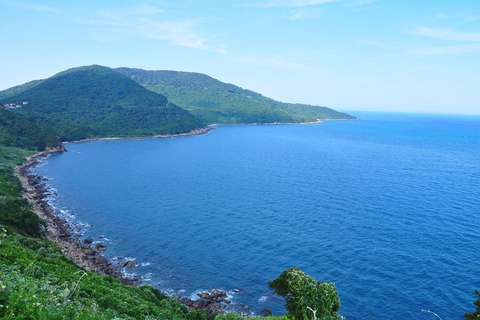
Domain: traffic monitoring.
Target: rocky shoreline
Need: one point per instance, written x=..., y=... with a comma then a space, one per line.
x=83, y=253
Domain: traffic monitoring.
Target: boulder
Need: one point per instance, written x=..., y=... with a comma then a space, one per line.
x=52, y=232
x=100, y=259
x=89, y=252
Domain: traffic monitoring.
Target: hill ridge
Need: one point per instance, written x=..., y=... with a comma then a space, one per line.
x=95, y=101
x=216, y=102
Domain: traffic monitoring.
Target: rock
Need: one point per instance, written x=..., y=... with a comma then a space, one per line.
x=41, y=228
x=235, y=291
x=213, y=295
x=89, y=252
x=131, y=264
x=88, y=241
x=203, y=295
x=246, y=307
x=122, y=263
x=227, y=301
x=52, y=232
x=100, y=259
x=100, y=247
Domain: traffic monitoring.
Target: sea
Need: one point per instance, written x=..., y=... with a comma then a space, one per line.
x=386, y=208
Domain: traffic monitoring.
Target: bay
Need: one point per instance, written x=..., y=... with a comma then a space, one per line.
x=386, y=208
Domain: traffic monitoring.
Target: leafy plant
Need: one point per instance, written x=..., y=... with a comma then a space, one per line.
x=476, y=314
x=305, y=297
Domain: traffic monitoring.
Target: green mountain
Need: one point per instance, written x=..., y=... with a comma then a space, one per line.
x=215, y=102
x=96, y=101
x=20, y=132
x=13, y=91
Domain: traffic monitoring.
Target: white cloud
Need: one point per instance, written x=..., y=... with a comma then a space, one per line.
x=352, y=3
x=462, y=16
x=134, y=21
x=448, y=34
x=290, y=4
x=179, y=32
x=306, y=14
x=447, y=50
x=145, y=9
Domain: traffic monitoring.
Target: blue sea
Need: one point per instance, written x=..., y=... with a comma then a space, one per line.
x=387, y=208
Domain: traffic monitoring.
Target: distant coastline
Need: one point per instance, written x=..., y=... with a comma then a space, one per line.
x=279, y=123
x=194, y=132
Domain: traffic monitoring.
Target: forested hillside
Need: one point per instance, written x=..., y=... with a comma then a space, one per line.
x=96, y=101
x=10, y=92
x=216, y=102
x=18, y=131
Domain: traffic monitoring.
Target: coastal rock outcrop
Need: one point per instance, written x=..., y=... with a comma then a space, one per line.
x=59, y=231
x=211, y=301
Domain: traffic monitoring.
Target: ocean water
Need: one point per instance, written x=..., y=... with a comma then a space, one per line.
x=387, y=208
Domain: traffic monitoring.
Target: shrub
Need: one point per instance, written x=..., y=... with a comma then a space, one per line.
x=305, y=297
x=475, y=315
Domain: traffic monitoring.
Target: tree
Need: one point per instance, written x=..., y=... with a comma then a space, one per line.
x=305, y=297
x=475, y=315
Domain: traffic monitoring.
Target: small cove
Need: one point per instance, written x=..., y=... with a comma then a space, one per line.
x=385, y=208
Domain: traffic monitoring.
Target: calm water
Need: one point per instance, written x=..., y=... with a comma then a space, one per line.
x=387, y=208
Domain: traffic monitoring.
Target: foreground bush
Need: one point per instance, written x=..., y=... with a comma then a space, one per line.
x=305, y=297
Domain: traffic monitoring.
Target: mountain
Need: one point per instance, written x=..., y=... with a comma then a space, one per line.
x=20, y=132
x=216, y=102
x=96, y=101
x=13, y=91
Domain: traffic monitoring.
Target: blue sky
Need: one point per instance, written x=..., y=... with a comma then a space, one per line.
x=385, y=55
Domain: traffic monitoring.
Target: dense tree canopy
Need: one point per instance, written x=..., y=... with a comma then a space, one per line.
x=216, y=102
x=18, y=131
x=96, y=101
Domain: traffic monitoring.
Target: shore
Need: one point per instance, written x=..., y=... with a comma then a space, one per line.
x=194, y=132
x=85, y=255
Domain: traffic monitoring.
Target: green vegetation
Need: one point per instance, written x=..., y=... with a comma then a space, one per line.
x=215, y=102
x=14, y=210
x=236, y=316
x=18, y=89
x=305, y=297
x=18, y=131
x=38, y=282
x=19, y=138
x=96, y=101
x=474, y=315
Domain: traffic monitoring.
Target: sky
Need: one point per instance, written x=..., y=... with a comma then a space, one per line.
x=371, y=55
